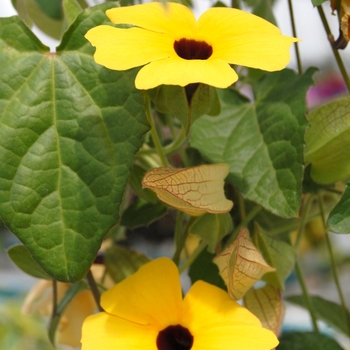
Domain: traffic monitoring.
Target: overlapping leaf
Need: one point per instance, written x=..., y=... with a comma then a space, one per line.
x=262, y=141
x=339, y=217
x=212, y=228
x=266, y=303
x=278, y=254
x=328, y=141
x=241, y=265
x=68, y=132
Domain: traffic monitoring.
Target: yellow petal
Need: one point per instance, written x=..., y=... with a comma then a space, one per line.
x=122, y=49
x=177, y=71
x=150, y=296
x=170, y=18
x=195, y=190
x=219, y=323
x=235, y=337
x=104, y=331
x=241, y=265
x=266, y=303
x=244, y=39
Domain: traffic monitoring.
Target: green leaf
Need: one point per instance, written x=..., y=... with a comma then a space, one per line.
x=263, y=8
x=122, y=262
x=48, y=19
x=186, y=104
x=327, y=311
x=52, y=8
x=277, y=254
x=307, y=340
x=339, y=217
x=212, y=228
x=24, y=261
x=71, y=9
x=262, y=142
x=69, y=130
x=135, y=181
x=328, y=141
x=70, y=294
x=142, y=213
x=204, y=269
x=318, y=2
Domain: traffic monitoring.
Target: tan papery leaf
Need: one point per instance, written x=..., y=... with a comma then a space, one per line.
x=266, y=304
x=195, y=190
x=344, y=35
x=241, y=265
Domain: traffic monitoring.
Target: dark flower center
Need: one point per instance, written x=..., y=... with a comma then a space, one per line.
x=189, y=49
x=174, y=338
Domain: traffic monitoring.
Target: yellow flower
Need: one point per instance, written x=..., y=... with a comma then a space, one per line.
x=176, y=49
x=146, y=311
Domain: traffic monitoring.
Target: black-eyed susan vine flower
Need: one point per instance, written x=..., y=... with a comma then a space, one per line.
x=177, y=49
x=146, y=311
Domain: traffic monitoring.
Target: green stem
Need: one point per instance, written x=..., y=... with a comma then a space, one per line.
x=335, y=52
x=296, y=45
x=154, y=133
x=180, y=236
x=306, y=295
x=94, y=289
x=54, y=299
x=333, y=263
x=241, y=207
x=202, y=245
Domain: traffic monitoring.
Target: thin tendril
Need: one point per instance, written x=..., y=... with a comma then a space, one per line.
x=296, y=45
x=154, y=134
x=202, y=245
x=335, y=52
x=306, y=295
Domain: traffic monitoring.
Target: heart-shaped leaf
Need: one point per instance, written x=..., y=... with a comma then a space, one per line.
x=262, y=142
x=69, y=130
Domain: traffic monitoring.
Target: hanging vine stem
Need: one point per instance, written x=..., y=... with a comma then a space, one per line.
x=296, y=45
x=180, y=236
x=54, y=299
x=154, y=133
x=202, y=245
x=94, y=289
x=306, y=295
x=333, y=263
x=335, y=52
